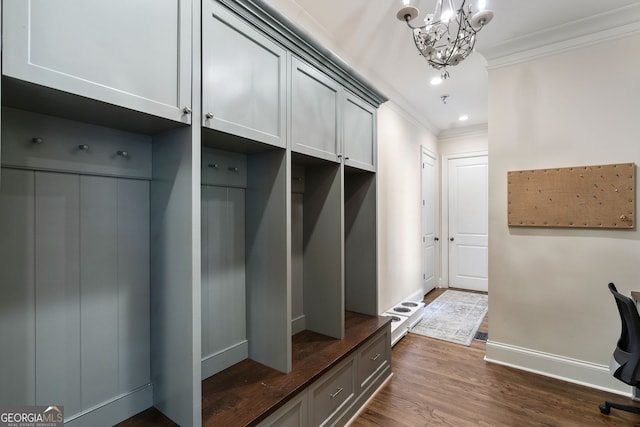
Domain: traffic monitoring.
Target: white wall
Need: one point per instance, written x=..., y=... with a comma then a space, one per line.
x=399, y=210
x=549, y=308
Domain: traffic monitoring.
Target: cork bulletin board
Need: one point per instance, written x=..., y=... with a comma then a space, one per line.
x=587, y=196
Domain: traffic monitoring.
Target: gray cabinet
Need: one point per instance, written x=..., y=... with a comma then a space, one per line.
x=243, y=79
x=359, y=133
x=316, y=115
x=135, y=55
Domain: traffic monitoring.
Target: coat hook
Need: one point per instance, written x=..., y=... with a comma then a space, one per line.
x=83, y=147
x=233, y=169
x=213, y=165
x=122, y=153
x=37, y=140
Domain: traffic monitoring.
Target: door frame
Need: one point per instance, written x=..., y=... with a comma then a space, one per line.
x=444, y=234
x=436, y=187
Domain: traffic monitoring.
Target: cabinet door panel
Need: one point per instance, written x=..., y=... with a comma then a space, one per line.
x=57, y=286
x=315, y=112
x=244, y=79
x=98, y=289
x=359, y=134
x=97, y=49
x=17, y=312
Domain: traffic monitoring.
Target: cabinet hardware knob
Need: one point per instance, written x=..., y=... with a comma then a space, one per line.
x=213, y=165
x=296, y=178
x=375, y=357
x=209, y=116
x=347, y=158
x=83, y=147
x=451, y=239
x=339, y=156
x=186, y=110
x=233, y=169
x=123, y=153
x=437, y=239
x=333, y=395
x=37, y=140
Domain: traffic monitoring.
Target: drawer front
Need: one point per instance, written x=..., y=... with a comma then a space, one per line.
x=332, y=395
x=224, y=168
x=292, y=414
x=372, y=358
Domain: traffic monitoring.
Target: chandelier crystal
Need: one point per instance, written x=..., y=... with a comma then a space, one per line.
x=448, y=35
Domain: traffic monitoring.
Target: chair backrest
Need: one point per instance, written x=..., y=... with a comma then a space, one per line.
x=627, y=353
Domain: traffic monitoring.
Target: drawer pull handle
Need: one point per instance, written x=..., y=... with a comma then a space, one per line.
x=333, y=395
x=233, y=169
x=37, y=140
x=83, y=147
x=122, y=153
x=375, y=357
x=213, y=165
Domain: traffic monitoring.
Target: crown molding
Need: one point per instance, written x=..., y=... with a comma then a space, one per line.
x=481, y=129
x=611, y=25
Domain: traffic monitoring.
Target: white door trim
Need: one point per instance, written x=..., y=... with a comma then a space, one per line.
x=437, y=231
x=444, y=234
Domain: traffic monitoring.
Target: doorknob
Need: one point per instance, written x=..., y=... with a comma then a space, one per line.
x=451, y=239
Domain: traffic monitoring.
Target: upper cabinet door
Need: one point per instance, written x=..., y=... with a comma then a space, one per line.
x=359, y=133
x=244, y=77
x=315, y=113
x=135, y=55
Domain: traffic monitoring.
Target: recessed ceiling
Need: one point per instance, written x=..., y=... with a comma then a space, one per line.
x=367, y=35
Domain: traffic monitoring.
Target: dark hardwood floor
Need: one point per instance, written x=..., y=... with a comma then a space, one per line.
x=437, y=383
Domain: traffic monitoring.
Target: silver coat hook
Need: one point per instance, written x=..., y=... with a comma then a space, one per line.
x=122, y=153
x=37, y=140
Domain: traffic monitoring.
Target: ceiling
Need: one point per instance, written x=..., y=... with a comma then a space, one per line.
x=367, y=35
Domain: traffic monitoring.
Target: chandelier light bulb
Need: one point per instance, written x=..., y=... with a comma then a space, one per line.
x=406, y=2
x=482, y=4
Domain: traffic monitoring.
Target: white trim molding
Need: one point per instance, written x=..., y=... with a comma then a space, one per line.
x=560, y=367
x=611, y=25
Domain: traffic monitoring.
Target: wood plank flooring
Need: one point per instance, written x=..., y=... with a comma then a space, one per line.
x=437, y=383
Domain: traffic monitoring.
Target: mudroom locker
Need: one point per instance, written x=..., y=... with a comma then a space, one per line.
x=74, y=264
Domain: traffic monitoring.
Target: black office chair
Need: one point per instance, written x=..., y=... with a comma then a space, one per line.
x=625, y=362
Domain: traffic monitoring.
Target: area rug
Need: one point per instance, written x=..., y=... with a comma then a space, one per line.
x=454, y=316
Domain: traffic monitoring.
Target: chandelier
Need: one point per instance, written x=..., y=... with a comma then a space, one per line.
x=448, y=35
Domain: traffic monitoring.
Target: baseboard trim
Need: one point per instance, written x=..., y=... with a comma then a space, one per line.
x=115, y=410
x=563, y=368
x=298, y=324
x=216, y=362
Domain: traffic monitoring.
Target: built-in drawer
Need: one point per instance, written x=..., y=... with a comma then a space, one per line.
x=292, y=414
x=332, y=394
x=372, y=358
x=224, y=168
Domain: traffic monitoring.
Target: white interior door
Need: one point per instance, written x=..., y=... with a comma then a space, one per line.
x=468, y=223
x=429, y=236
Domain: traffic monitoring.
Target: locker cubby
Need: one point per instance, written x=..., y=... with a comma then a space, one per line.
x=245, y=311
x=360, y=246
x=75, y=267
x=317, y=246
